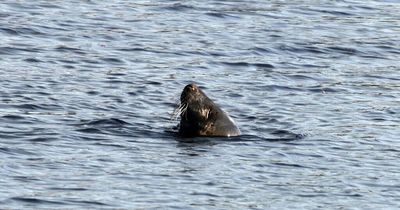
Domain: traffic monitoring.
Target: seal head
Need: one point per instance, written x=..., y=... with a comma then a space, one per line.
x=200, y=116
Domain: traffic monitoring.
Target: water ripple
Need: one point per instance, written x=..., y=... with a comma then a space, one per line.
x=87, y=91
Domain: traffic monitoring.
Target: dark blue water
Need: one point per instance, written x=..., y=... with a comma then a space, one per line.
x=87, y=89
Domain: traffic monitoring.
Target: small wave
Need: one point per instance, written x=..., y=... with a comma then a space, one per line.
x=48, y=5
x=133, y=49
x=38, y=106
x=150, y=50
x=258, y=65
x=111, y=121
x=13, y=117
x=28, y=31
x=89, y=130
x=36, y=200
x=74, y=201
x=101, y=126
x=67, y=61
x=113, y=60
x=280, y=87
x=262, y=50
x=280, y=136
x=90, y=61
x=218, y=14
x=205, y=194
x=116, y=74
x=301, y=49
x=69, y=49
x=178, y=7
x=21, y=31
x=15, y=151
x=8, y=31
x=33, y=60
x=331, y=12
x=319, y=89
x=290, y=165
x=344, y=50
x=17, y=50
x=28, y=106
x=68, y=188
x=42, y=139
x=287, y=135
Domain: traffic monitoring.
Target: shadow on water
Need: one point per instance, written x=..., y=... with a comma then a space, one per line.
x=276, y=136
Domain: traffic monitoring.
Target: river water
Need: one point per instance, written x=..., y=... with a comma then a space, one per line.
x=87, y=89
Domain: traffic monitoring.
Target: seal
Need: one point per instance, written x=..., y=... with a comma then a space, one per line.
x=200, y=116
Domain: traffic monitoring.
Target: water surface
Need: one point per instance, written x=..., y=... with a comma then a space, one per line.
x=87, y=89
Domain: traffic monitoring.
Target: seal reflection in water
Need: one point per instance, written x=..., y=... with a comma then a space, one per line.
x=200, y=116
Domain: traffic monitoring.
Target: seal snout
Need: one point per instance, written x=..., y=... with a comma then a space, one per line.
x=191, y=87
x=189, y=93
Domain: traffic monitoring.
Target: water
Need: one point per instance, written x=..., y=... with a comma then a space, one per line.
x=88, y=87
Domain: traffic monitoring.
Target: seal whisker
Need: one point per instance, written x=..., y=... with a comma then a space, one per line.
x=178, y=111
x=183, y=109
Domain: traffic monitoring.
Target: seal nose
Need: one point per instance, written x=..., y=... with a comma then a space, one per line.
x=191, y=87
